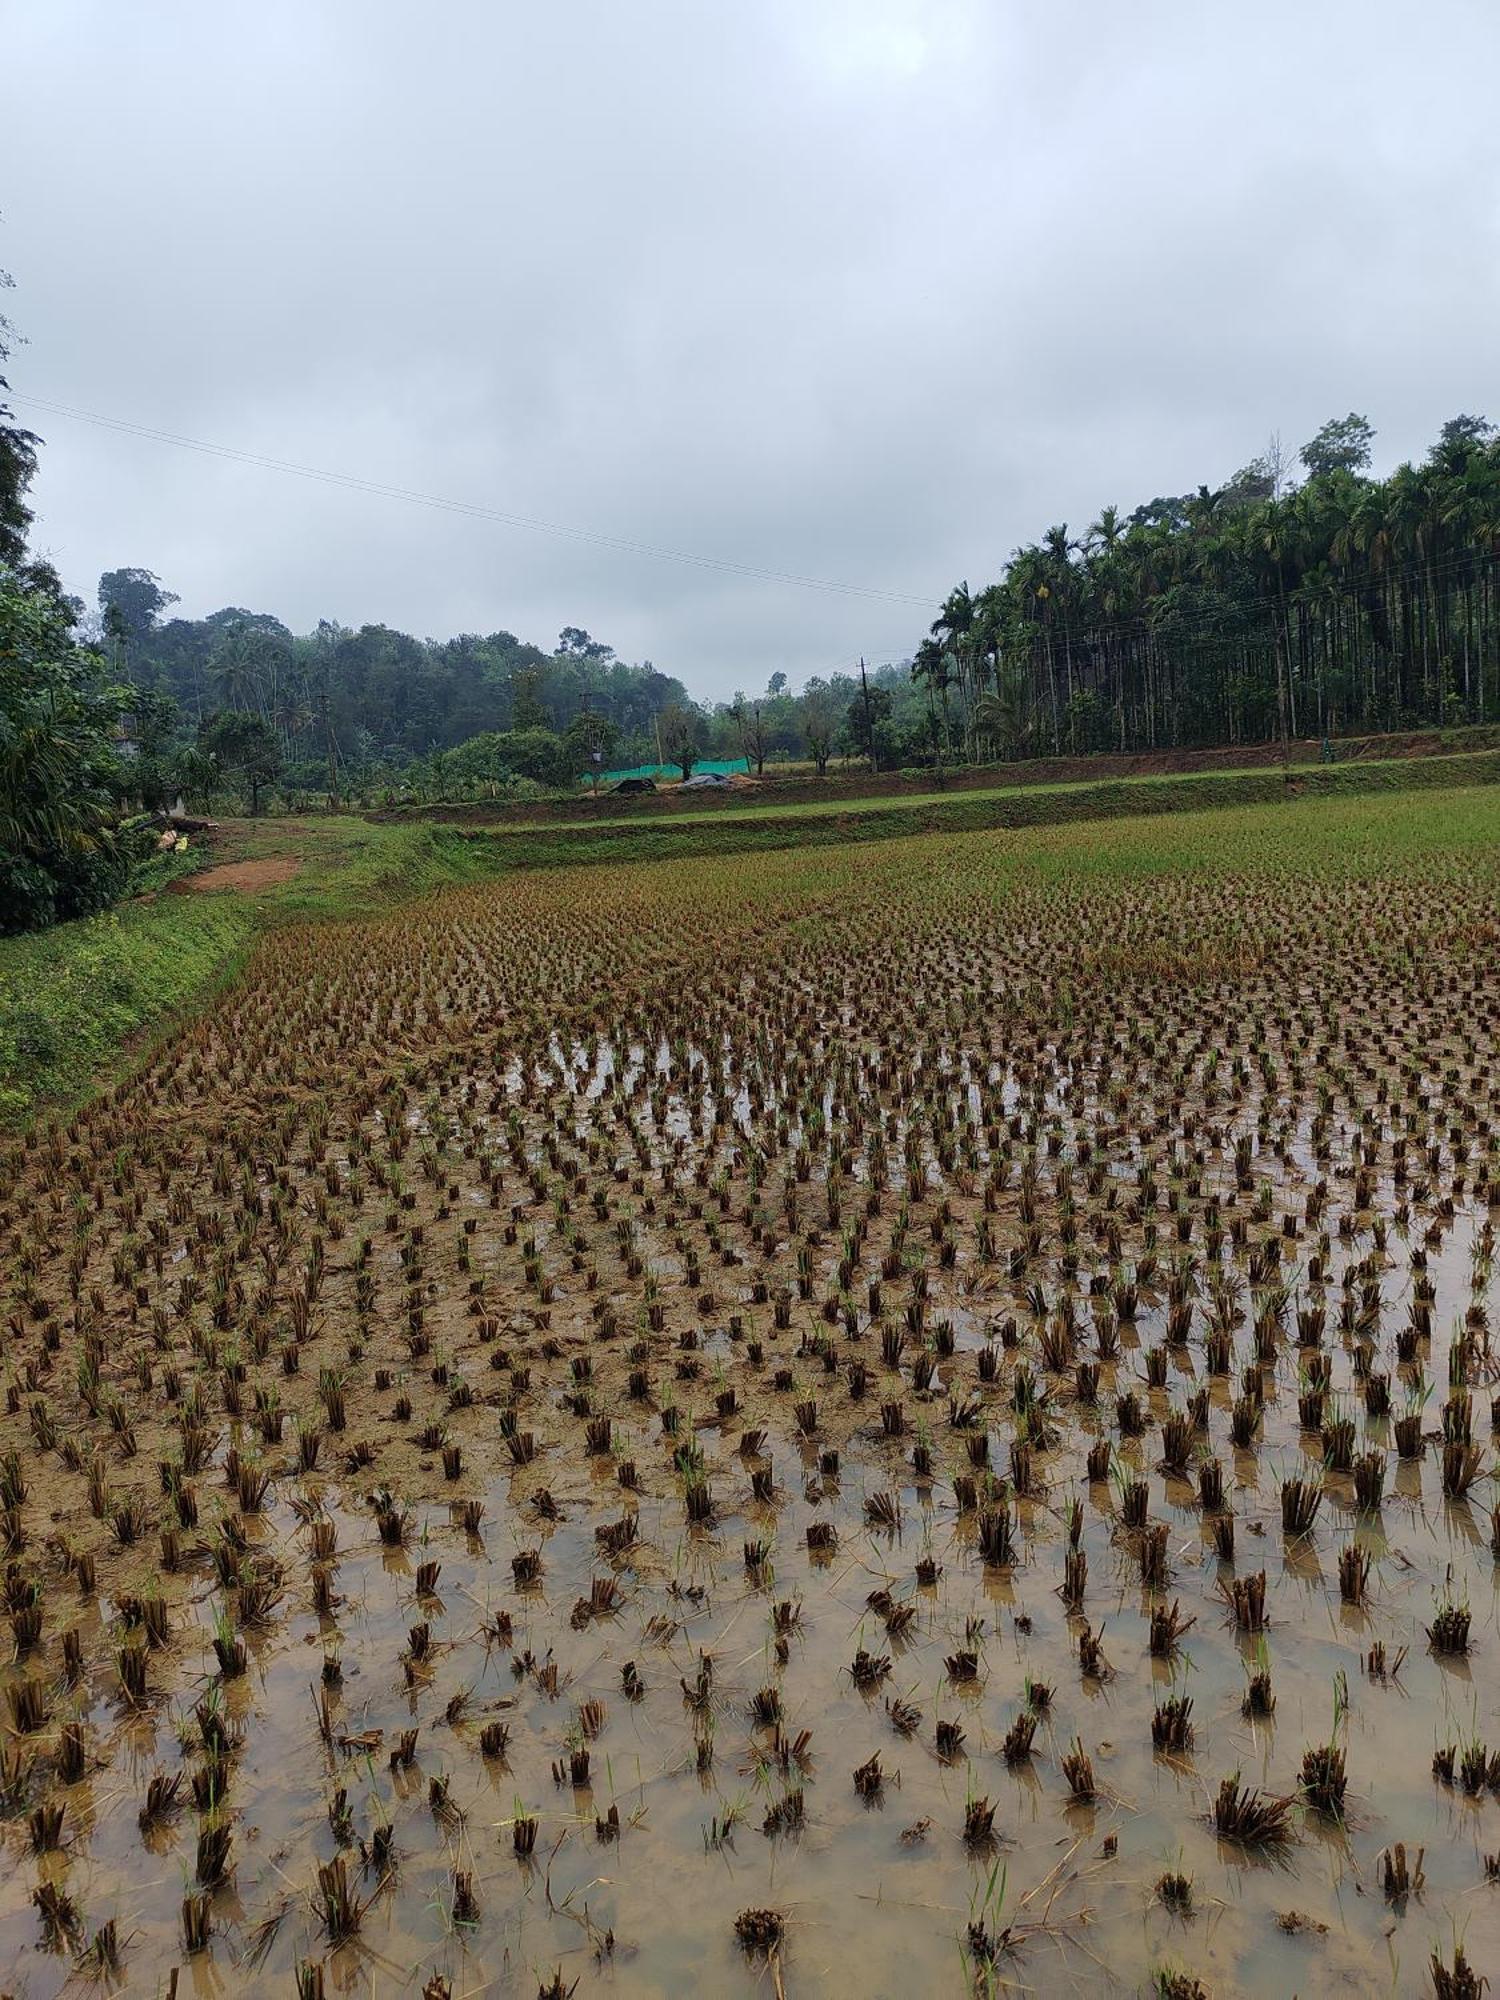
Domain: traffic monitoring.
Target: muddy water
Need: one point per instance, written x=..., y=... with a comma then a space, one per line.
x=588, y=1239
x=877, y=1893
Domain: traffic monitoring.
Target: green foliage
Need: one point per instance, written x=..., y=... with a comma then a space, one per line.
x=352, y=709
x=17, y=458
x=818, y=717
x=501, y=761
x=244, y=746
x=73, y=996
x=1342, y=445
x=1343, y=606
x=867, y=725
x=589, y=742
x=755, y=827
x=70, y=996
x=60, y=778
x=162, y=765
x=680, y=729
x=130, y=602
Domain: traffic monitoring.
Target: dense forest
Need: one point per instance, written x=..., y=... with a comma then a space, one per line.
x=379, y=696
x=373, y=712
x=1259, y=609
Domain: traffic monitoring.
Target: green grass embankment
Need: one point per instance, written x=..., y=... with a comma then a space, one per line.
x=789, y=787
x=581, y=843
x=75, y=998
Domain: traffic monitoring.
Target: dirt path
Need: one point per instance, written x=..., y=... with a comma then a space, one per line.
x=249, y=877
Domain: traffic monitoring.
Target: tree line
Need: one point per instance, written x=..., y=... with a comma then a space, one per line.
x=62, y=849
x=372, y=713
x=1301, y=599
x=1270, y=606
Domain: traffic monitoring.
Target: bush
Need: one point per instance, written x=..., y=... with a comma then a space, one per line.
x=60, y=781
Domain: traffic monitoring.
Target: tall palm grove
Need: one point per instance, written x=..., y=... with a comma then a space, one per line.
x=1268, y=607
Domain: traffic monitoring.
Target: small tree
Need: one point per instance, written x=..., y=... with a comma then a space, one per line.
x=60, y=777
x=867, y=722
x=1342, y=445
x=245, y=745
x=752, y=729
x=679, y=731
x=130, y=603
x=534, y=753
x=590, y=739
x=196, y=774
x=819, y=716
x=152, y=775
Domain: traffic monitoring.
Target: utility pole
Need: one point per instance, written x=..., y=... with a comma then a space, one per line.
x=869, y=724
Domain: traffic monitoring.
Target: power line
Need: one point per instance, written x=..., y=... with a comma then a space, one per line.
x=352, y=482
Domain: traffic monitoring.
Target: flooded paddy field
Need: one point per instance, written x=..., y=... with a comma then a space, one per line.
x=910, y=1419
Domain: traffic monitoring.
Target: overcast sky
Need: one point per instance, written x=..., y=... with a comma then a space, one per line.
x=865, y=290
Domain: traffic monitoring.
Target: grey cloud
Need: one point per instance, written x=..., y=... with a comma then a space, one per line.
x=862, y=289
